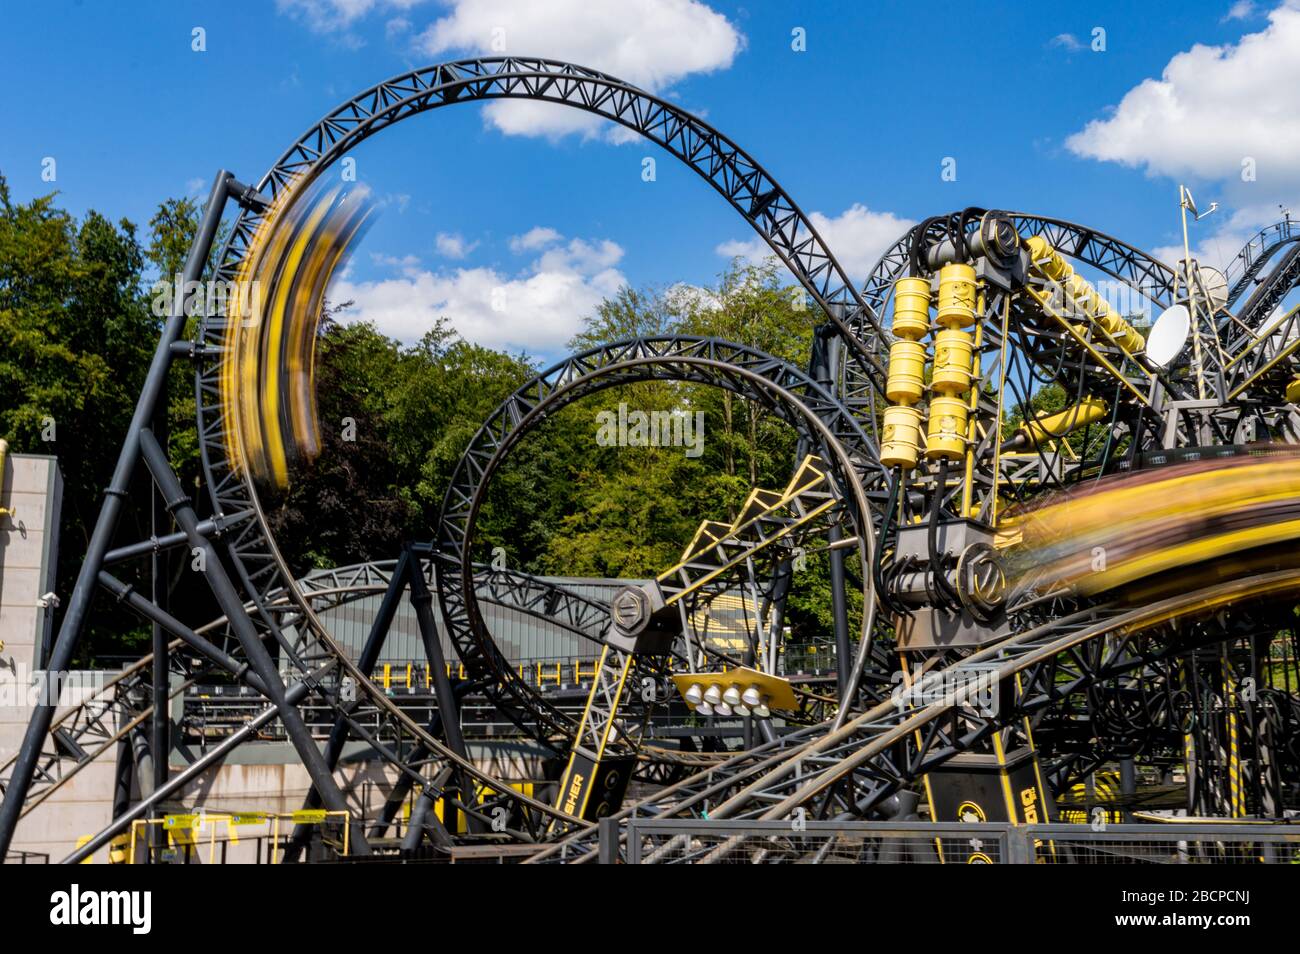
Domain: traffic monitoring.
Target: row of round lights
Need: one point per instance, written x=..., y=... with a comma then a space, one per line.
x=731, y=701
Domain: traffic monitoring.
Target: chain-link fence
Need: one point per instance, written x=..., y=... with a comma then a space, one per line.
x=1173, y=843
x=655, y=841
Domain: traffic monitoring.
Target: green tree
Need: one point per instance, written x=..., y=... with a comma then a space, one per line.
x=78, y=338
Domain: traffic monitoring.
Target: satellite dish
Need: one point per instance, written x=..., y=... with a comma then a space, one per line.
x=1168, y=335
x=1215, y=285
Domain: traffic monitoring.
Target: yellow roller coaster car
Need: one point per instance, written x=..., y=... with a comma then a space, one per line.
x=268, y=391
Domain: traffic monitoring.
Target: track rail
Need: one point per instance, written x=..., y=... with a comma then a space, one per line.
x=847, y=772
x=88, y=730
x=793, y=396
x=251, y=552
x=1255, y=254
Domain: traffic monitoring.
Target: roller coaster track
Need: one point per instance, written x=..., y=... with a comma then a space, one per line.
x=1255, y=254
x=744, y=184
x=788, y=392
x=847, y=772
x=91, y=728
x=1146, y=275
x=1266, y=360
x=1272, y=289
x=1263, y=362
x=258, y=567
x=827, y=769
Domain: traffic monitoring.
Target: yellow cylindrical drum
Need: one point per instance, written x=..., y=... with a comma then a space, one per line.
x=1113, y=323
x=1047, y=259
x=946, y=432
x=1293, y=390
x=1133, y=341
x=906, y=382
x=953, y=351
x=1088, y=411
x=1081, y=306
x=956, y=295
x=911, y=308
x=901, y=436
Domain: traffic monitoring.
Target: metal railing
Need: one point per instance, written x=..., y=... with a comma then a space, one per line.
x=27, y=858
x=677, y=841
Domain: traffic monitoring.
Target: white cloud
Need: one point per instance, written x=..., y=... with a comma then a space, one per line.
x=1225, y=118
x=453, y=245
x=856, y=237
x=1241, y=10
x=1223, y=236
x=581, y=256
x=1067, y=41
x=398, y=200
x=650, y=43
x=685, y=297
x=1214, y=108
x=336, y=16
x=408, y=265
x=538, y=310
x=539, y=236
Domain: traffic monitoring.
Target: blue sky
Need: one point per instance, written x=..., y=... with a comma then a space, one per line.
x=855, y=127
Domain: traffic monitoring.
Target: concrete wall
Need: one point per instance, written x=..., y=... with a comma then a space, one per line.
x=263, y=777
x=83, y=805
x=31, y=489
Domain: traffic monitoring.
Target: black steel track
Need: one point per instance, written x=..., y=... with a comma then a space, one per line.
x=817, y=417
x=845, y=773
x=250, y=550
x=1148, y=276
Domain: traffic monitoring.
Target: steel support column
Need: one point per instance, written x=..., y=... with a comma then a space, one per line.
x=822, y=370
x=228, y=600
x=153, y=391
x=370, y=651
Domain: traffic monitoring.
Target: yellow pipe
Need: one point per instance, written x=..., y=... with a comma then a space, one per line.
x=1088, y=411
x=1085, y=301
x=968, y=490
x=1045, y=304
x=997, y=423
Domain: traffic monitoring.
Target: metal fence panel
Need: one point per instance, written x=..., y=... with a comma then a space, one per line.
x=681, y=841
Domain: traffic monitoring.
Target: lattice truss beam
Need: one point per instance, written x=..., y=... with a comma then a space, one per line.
x=788, y=393
x=804, y=508
x=846, y=772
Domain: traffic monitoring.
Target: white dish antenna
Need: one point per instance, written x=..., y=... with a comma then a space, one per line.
x=1215, y=285
x=1169, y=334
